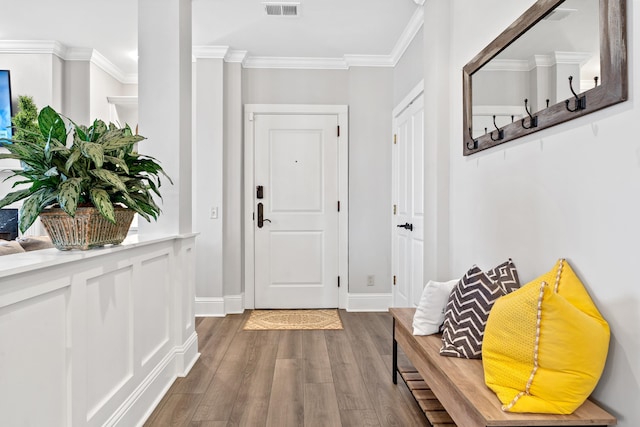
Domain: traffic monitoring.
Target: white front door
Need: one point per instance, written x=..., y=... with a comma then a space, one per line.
x=296, y=211
x=408, y=194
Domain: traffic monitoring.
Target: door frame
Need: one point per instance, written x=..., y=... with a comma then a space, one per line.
x=407, y=101
x=342, y=112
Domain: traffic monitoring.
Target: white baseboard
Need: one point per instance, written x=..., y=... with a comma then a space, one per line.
x=137, y=408
x=219, y=306
x=369, y=302
x=234, y=304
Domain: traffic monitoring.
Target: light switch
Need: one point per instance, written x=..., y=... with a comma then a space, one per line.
x=214, y=213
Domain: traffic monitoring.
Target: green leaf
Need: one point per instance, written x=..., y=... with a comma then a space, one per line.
x=75, y=155
x=68, y=195
x=47, y=151
x=117, y=162
x=116, y=139
x=94, y=152
x=51, y=125
x=52, y=172
x=15, y=196
x=110, y=178
x=100, y=199
x=81, y=133
x=97, y=130
x=29, y=212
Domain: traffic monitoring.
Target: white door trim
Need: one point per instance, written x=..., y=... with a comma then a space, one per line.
x=250, y=110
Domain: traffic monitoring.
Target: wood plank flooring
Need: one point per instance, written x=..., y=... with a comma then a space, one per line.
x=291, y=378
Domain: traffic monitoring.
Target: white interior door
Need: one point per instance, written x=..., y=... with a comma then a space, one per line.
x=408, y=193
x=296, y=240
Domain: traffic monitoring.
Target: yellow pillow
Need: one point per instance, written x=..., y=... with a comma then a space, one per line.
x=545, y=345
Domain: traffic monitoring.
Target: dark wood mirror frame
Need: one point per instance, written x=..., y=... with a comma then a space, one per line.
x=613, y=66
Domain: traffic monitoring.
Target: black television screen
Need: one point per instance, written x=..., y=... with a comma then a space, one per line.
x=5, y=106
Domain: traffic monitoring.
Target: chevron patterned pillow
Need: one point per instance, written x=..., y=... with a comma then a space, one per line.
x=468, y=309
x=507, y=275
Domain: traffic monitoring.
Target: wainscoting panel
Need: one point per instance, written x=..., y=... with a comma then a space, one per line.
x=109, y=336
x=34, y=355
x=152, y=296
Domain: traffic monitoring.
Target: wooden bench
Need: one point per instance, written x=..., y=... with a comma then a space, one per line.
x=458, y=384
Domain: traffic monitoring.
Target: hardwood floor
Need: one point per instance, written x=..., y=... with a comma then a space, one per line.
x=291, y=378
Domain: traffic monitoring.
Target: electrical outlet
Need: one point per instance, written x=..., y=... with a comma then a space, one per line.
x=371, y=280
x=214, y=213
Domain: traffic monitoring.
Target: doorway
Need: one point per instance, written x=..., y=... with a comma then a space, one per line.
x=296, y=206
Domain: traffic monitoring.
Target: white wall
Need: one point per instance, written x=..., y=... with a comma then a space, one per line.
x=77, y=93
x=31, y=75
x=279, y=86
x=409, y=70
x=370, y=140
x=369, y=94
x=36, y=75
x=101, y=86
x=569, y=191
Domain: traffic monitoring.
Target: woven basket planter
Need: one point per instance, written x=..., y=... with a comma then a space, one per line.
x=88, y=229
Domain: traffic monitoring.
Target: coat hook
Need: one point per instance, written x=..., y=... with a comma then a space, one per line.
x=471, y=146
x=500, y=131
x=581, y=101
x=595, y=79
x=533, y=120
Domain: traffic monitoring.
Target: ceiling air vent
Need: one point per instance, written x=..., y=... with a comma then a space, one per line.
x=282, y=9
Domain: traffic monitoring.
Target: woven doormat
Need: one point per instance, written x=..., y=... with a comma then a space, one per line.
x=264, y=320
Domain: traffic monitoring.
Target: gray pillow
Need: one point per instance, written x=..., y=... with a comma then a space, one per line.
x=8, y=247
x=34, y=243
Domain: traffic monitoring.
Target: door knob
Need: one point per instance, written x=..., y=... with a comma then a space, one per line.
x=406, y=226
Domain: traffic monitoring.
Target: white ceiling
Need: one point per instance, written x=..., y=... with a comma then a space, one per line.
x=325, y=29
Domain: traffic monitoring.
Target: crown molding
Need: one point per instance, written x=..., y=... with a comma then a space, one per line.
x=369, y=61
x=506, y=65
x=123, y=100
x=410, y=31
x=52, y=47
x=210, y=52
x=236, y=56
x=228, y=55
x=219, y=52
x=571, y=58
x=295, y=63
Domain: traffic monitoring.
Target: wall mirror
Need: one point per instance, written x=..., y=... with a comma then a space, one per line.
x=560, y=60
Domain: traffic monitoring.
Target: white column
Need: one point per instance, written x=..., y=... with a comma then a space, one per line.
x=437, y=134
x=233, y=173
x=208, y=180
x=164, y=96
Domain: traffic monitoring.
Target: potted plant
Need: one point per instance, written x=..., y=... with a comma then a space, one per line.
x=88, y=191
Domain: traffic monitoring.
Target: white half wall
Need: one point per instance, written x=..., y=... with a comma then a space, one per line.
x=95, y=338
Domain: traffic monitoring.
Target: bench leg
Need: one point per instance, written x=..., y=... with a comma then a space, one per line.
x=394, y=367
